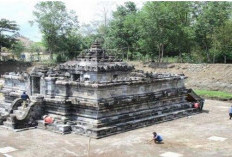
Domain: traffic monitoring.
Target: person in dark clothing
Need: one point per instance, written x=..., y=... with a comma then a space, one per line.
x=202, y=104
x=157, y=138
x=230, y=112
x=25, y=98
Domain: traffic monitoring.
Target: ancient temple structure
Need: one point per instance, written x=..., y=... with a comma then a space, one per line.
x=95, y=95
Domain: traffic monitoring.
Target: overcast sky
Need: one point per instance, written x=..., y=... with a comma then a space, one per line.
x=87, y=11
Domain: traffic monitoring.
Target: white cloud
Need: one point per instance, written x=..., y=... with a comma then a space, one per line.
x=87, y=11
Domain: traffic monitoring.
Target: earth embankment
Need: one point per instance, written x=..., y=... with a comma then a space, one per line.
x=216, y=77
x=14, y=66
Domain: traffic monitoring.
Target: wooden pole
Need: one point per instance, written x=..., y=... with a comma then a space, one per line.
x=89, y=147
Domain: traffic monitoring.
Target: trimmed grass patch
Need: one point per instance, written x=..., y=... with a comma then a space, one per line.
x=214, y=94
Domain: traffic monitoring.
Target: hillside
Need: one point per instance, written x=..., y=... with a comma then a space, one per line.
x=200, y=76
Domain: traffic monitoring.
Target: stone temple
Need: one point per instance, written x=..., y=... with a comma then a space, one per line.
x=95, y=95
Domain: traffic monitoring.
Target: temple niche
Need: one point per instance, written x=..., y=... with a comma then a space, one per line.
x=96, y=95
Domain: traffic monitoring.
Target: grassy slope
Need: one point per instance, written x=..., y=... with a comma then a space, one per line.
x=214, y=94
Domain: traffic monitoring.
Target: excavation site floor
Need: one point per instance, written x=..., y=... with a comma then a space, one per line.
x=201, y=135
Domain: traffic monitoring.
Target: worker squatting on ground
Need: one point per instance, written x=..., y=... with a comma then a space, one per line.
x=25, y=97
x=197, y=106
x=47, y=120
x=157, y=138
x=230, y=112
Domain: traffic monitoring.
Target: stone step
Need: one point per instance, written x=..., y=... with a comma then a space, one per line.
x=94, y=114
x=3, y=113
x=22, y=109
x=150, y=111
x=115, y=111
x=113, y=129
x=2, y=110
x=60, y=128
x=5, y=105
x=9, y=124
x=9, y=118
x=121, y=127
x=131, y=116
x=124, y=105
x=126, y=126
x=18, y=112
x=18, y=125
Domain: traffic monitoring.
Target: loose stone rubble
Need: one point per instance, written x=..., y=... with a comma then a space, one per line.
x=96, y=95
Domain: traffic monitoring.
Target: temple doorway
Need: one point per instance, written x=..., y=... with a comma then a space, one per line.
x=36, y=85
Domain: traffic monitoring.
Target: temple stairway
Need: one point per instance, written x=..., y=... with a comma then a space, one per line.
x=7, y=107
x=17, y=117
x=13, y=117
x=121, y=123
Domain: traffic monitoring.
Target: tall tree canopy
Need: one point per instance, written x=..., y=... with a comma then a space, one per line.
x=192, y=30
x=57, y=24
x=18, y=48
x=222, y=43
x=156, y=22
x=211, y=16
x=122, y=31
x=189, y=31
x=8, y=33
x=165, y=27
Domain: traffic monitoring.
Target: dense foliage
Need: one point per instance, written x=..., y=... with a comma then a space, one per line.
x=159, y=31
x=59, y=28
x=189, y=31
x=18, y=48
x=8, y=33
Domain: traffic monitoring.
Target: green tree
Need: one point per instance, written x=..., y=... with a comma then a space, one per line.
x=70, y=45
x=210, y=17
x=156, y=26
x=56, y=24
x=222, y=42
x=8, y=33
x=36, y=47
x=18, y=48
x=181, y=33
x=122, y=31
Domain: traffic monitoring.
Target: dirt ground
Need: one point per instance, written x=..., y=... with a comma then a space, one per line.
x=206, y=134
x=200, y=76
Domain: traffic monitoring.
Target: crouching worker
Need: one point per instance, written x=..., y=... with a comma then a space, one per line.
x=47, y=120
x=157, y=138
x=230, y=112
x=196, y=105
x=25, y=99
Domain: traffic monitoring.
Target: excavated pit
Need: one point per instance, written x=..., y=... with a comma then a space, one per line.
x=95, y=95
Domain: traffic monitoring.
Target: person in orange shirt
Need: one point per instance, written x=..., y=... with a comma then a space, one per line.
x=47, y=120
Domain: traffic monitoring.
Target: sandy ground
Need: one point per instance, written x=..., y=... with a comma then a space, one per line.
x=201, y=135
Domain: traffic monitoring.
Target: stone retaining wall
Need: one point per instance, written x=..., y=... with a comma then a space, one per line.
x=10, y=66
